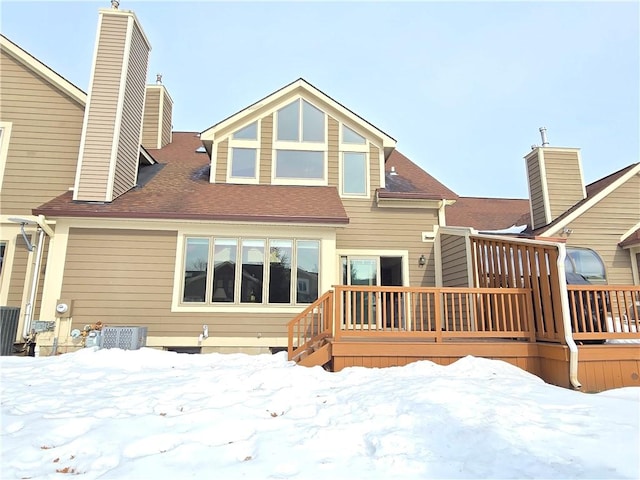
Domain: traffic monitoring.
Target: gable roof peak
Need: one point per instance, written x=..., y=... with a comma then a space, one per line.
x=270, y=101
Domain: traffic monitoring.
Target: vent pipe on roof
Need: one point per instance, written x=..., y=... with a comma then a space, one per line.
x=543, y=134
x=158, y=79
x=115, y=4
x=393, y=171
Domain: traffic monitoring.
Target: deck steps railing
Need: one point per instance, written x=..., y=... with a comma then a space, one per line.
x=312, y=325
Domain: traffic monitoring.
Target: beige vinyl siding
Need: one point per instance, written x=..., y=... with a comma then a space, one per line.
x=222, y=159
x=129, y=139
x=374, y=168
x=45, y=138
x=601, y=227
x=102, y=109
x=18, y=273
x=151, y=119
x=45, y=253
x=564, y=182
x=266, y=142
x=333, y=156
x=536, y=194
x=167, y=115
x=453, y=250
x=125, y=277
x=373, y=228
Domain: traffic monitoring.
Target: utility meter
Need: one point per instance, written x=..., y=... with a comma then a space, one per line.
x=63, y=308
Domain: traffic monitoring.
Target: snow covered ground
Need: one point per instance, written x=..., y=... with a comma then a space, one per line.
x=153, y=414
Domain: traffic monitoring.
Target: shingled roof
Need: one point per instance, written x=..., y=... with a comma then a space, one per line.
x=488, y=213
x=408, y=180
x=180, y=189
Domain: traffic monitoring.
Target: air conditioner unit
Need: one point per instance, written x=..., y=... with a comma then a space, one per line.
x=126, y=338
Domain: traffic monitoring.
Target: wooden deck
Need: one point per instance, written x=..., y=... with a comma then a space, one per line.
x=394, y=326
x=517, y=309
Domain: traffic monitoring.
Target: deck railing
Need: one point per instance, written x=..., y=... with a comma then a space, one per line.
x=433, y=313
x=309, y=325
x=513, y=263
x=604, y=313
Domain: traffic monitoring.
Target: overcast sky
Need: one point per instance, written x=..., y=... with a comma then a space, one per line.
x=462, y=87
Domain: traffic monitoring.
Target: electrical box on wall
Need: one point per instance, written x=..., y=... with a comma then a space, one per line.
x=428, y=236
x=64, y=308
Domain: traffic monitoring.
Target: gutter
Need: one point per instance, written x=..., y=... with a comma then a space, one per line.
x=566, y=320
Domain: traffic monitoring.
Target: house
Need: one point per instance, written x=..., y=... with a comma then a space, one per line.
x=603, y=216
x=238, y=227
x=294, y=223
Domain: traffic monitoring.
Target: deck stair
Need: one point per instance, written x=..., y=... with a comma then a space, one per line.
x=310, y=333
x=318, y=353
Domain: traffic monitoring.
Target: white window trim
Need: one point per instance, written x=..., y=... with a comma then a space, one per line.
x=244, y=143
x=300, y=146
x=367, y=177
x=299, y=181
x=178, y=305
x=5, y=135
x=353, y=148
x=349, y=145
x=369, y=253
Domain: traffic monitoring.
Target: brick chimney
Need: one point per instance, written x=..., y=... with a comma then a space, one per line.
x=554, y=175
x=110, y=143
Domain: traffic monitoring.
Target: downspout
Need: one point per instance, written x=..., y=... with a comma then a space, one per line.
x=26, y=329
x=566, y=319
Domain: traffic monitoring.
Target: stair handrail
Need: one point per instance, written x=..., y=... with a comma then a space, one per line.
x=323, y=307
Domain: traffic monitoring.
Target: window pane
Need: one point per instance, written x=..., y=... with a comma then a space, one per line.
x=243, y=162
x=349, y=136
x=196, y=264
x=299, y=164
x=250, y=132
x=252, y=271
x=312, y=123
x=354, y=173
x=224, y=269
x=3, y=245
x=288, y=122
x=308, y=258
x=280, y=271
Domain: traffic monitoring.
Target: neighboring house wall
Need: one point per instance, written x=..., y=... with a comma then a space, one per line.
x=44, y=142
x=602, y=226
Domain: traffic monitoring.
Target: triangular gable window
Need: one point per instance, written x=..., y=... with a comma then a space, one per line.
x=250, y=132
x=349, y=136
x=300, y=122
